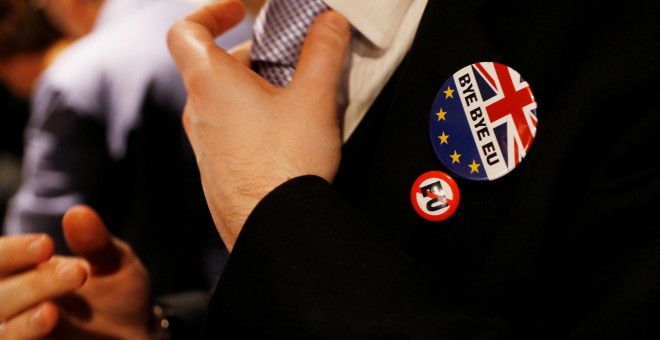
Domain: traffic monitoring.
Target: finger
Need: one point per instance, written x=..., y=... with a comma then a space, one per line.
x=23, y=251
x=88, y=237
x=191, y=38
x=35, y=323
x=49, y=280
x=241, y=53
x=323, y=53
x=218, y=17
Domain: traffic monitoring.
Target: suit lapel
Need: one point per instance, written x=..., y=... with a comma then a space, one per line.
x=391, y=147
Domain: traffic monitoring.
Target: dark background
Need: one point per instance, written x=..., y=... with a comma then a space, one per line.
x=13, y=117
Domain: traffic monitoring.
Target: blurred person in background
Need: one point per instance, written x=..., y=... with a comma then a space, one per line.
x=27, y=41
x=105, y=130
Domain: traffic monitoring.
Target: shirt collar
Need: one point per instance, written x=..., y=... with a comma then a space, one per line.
x=377, y=20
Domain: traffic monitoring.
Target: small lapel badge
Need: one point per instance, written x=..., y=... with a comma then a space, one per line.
x=483, y=121
x=435, y=196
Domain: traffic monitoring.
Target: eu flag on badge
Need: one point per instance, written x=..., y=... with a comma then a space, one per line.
x=483, y=121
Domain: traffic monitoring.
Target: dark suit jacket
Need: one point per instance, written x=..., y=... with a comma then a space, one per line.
x=565, y=246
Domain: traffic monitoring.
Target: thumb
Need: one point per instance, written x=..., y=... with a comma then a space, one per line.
x=88, y=237
x=323, y=53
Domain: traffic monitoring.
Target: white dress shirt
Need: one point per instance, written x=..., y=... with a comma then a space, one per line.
x=385, y=31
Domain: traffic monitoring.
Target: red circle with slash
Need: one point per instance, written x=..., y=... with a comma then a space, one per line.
x=435, y=196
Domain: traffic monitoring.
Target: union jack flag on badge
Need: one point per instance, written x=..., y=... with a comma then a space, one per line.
x=483, y=121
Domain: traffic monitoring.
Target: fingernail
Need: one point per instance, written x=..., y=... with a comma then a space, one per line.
x=336, y=21
x=36, y=247
x=36, y=320
x=70, y=272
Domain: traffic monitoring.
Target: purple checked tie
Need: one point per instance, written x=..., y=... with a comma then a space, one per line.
x=279, y=31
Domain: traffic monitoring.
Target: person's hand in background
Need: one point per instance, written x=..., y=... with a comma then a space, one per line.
x=115, y=301
x=29, y=279
x=103, y=293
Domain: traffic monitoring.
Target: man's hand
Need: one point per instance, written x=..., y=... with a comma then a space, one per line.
x=103, y=293
x=248, y=135
x=115, y=301
x=29, y=278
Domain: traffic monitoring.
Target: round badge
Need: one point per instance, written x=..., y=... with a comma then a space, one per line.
x=483, y=121
x=435, y=196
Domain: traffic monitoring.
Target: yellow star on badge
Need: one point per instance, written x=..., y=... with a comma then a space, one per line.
x=441, y=114
x=443, y=138
x=455, y=158
x=474, y=166
x=449, y=93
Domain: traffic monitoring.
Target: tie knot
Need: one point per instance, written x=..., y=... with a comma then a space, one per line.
x=279, y=31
